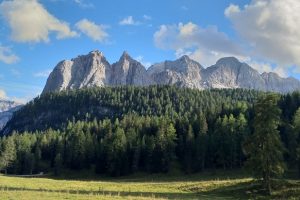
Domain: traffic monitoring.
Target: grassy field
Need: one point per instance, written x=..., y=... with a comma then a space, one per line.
x=223, y=185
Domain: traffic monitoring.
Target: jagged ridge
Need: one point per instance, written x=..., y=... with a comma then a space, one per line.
x=94, y=70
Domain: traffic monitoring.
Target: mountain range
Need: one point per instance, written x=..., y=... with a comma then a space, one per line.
x=94, y=70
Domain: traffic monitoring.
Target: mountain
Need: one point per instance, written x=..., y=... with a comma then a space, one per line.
x=230, y=73
x=6, y=111
x=94, y=70
x=83, y=71
x=183, y=72
x=128, y=71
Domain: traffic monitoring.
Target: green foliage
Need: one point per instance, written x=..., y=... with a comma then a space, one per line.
x=123, y=130
x=264, y=147
x=7, y=153
x=54, y=110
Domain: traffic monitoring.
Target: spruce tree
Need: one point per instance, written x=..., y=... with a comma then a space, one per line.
x=264, y=148
x=296, y=125
x=8, y=153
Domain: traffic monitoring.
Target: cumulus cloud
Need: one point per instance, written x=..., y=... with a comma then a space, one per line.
x=271, y=27
x=7, y=56
x=92, y=30
x=205, y=45
x=262, y=66
x=31, y=22
x=129, y=21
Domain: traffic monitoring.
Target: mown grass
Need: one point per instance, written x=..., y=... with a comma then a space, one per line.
x=222, y=185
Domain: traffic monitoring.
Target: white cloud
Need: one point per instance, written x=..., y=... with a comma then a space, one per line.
x=92, y=30
x=7, y=56
x=31, y=22
x=147, y=17
x=129, y=21
x=262, y=66
x=3, y=94
x=191, y=35
x=271, y=27
x=42, y=74
x=231, y=10
x=206, y=45
x=84, y=4
x=143, y=62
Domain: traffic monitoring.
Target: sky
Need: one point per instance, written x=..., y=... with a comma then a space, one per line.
x=36, y=34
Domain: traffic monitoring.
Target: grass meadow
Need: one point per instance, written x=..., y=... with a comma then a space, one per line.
x=221, y=185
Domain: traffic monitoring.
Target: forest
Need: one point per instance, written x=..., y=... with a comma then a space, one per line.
x=154, y=129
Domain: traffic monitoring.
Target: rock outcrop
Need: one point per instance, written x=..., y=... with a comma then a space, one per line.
x=183, y=72
x=128, y=71
x=83, y=71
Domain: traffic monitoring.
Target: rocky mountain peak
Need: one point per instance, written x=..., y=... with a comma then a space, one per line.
x=96, y=53
x=184, y=59
x=125, y=55
x=126, y=58
x=94, y=70
x=128, y=71
x=228, y=61
x=83, y=71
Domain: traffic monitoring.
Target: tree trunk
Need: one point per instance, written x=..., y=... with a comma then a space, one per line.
x=203, y=163
x=267, y=183
x=269, y=189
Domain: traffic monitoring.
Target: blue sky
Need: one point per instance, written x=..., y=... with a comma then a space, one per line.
x=36, y=35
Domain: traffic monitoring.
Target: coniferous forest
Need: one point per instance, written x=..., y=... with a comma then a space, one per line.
x=122, y=130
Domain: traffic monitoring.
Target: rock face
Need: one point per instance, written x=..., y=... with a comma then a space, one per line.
x=183, y=72
x=6, y=111
x=128, y=71
x=83, y=71
x=94, y=70
x=230, y=73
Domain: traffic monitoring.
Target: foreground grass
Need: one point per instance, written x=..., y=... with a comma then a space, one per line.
x=201, y=186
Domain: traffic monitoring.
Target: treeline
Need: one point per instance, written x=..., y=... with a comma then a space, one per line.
x=54, y=110
x=135, y=143
x=194, y=131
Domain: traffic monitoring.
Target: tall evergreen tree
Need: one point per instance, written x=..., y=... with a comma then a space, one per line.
x=8, y=153
x=264, y=148
x=296, y=124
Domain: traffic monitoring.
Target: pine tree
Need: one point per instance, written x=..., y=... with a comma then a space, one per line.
x=242, y=133
x=117, y=155
x=264, y=148
x=57, y=164
x=8, y=153
x=201, y=145
x=296, y=124
x=189, y=150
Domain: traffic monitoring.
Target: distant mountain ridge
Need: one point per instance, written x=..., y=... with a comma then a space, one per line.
x=94, y=70
x=6, y=111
